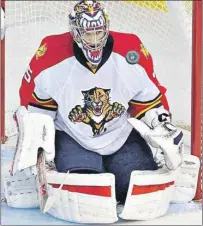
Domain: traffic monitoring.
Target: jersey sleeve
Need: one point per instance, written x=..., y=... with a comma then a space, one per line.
x=130, y=42
x=32, y=92
x=147, y=98
x=146, y=61
x=40, y=101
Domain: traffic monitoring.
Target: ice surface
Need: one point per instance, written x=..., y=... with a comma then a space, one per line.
x=12, y=216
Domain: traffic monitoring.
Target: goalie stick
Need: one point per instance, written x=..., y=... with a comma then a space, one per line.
x=46, y=201
x=41, y=179
x=50, y=201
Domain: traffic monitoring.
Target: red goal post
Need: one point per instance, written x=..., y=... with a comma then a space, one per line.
x=2, y=85
x=196, y=87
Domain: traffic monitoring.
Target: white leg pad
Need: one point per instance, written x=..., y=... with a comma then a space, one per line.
x=84, y=198
x=149, y=194
x=20, y=190
x=186, y=182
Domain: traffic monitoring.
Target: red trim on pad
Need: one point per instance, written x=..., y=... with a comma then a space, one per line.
x=90, y=190
x=144, y=189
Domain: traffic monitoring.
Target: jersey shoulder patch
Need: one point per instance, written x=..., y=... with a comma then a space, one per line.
x=41, y=51
x=52, y=50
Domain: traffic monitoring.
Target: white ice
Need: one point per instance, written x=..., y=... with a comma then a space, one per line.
x=11, y=216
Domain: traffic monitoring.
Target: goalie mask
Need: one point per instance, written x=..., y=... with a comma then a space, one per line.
x=89, y=26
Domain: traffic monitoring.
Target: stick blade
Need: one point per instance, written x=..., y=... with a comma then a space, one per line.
x=42, y=182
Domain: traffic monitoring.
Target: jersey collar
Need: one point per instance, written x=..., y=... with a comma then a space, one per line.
x=105, y=56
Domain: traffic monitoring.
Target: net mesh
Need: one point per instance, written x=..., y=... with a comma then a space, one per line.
x=165, y=27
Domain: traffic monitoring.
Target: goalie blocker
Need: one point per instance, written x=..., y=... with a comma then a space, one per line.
x=35, y=131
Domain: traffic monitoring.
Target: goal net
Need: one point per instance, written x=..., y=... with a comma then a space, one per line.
x=165, y=28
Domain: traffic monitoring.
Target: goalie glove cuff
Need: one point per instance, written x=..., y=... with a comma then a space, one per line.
x=156, y=117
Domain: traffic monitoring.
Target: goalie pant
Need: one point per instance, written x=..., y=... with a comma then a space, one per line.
x=135, y=154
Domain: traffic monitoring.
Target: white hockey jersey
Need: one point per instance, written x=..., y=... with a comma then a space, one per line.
x=89, y=103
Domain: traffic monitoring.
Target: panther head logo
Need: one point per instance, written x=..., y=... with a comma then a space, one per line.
x=97, y=110
x=96, y=99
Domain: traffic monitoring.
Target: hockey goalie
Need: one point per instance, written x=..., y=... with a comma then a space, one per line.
x=92, y=118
